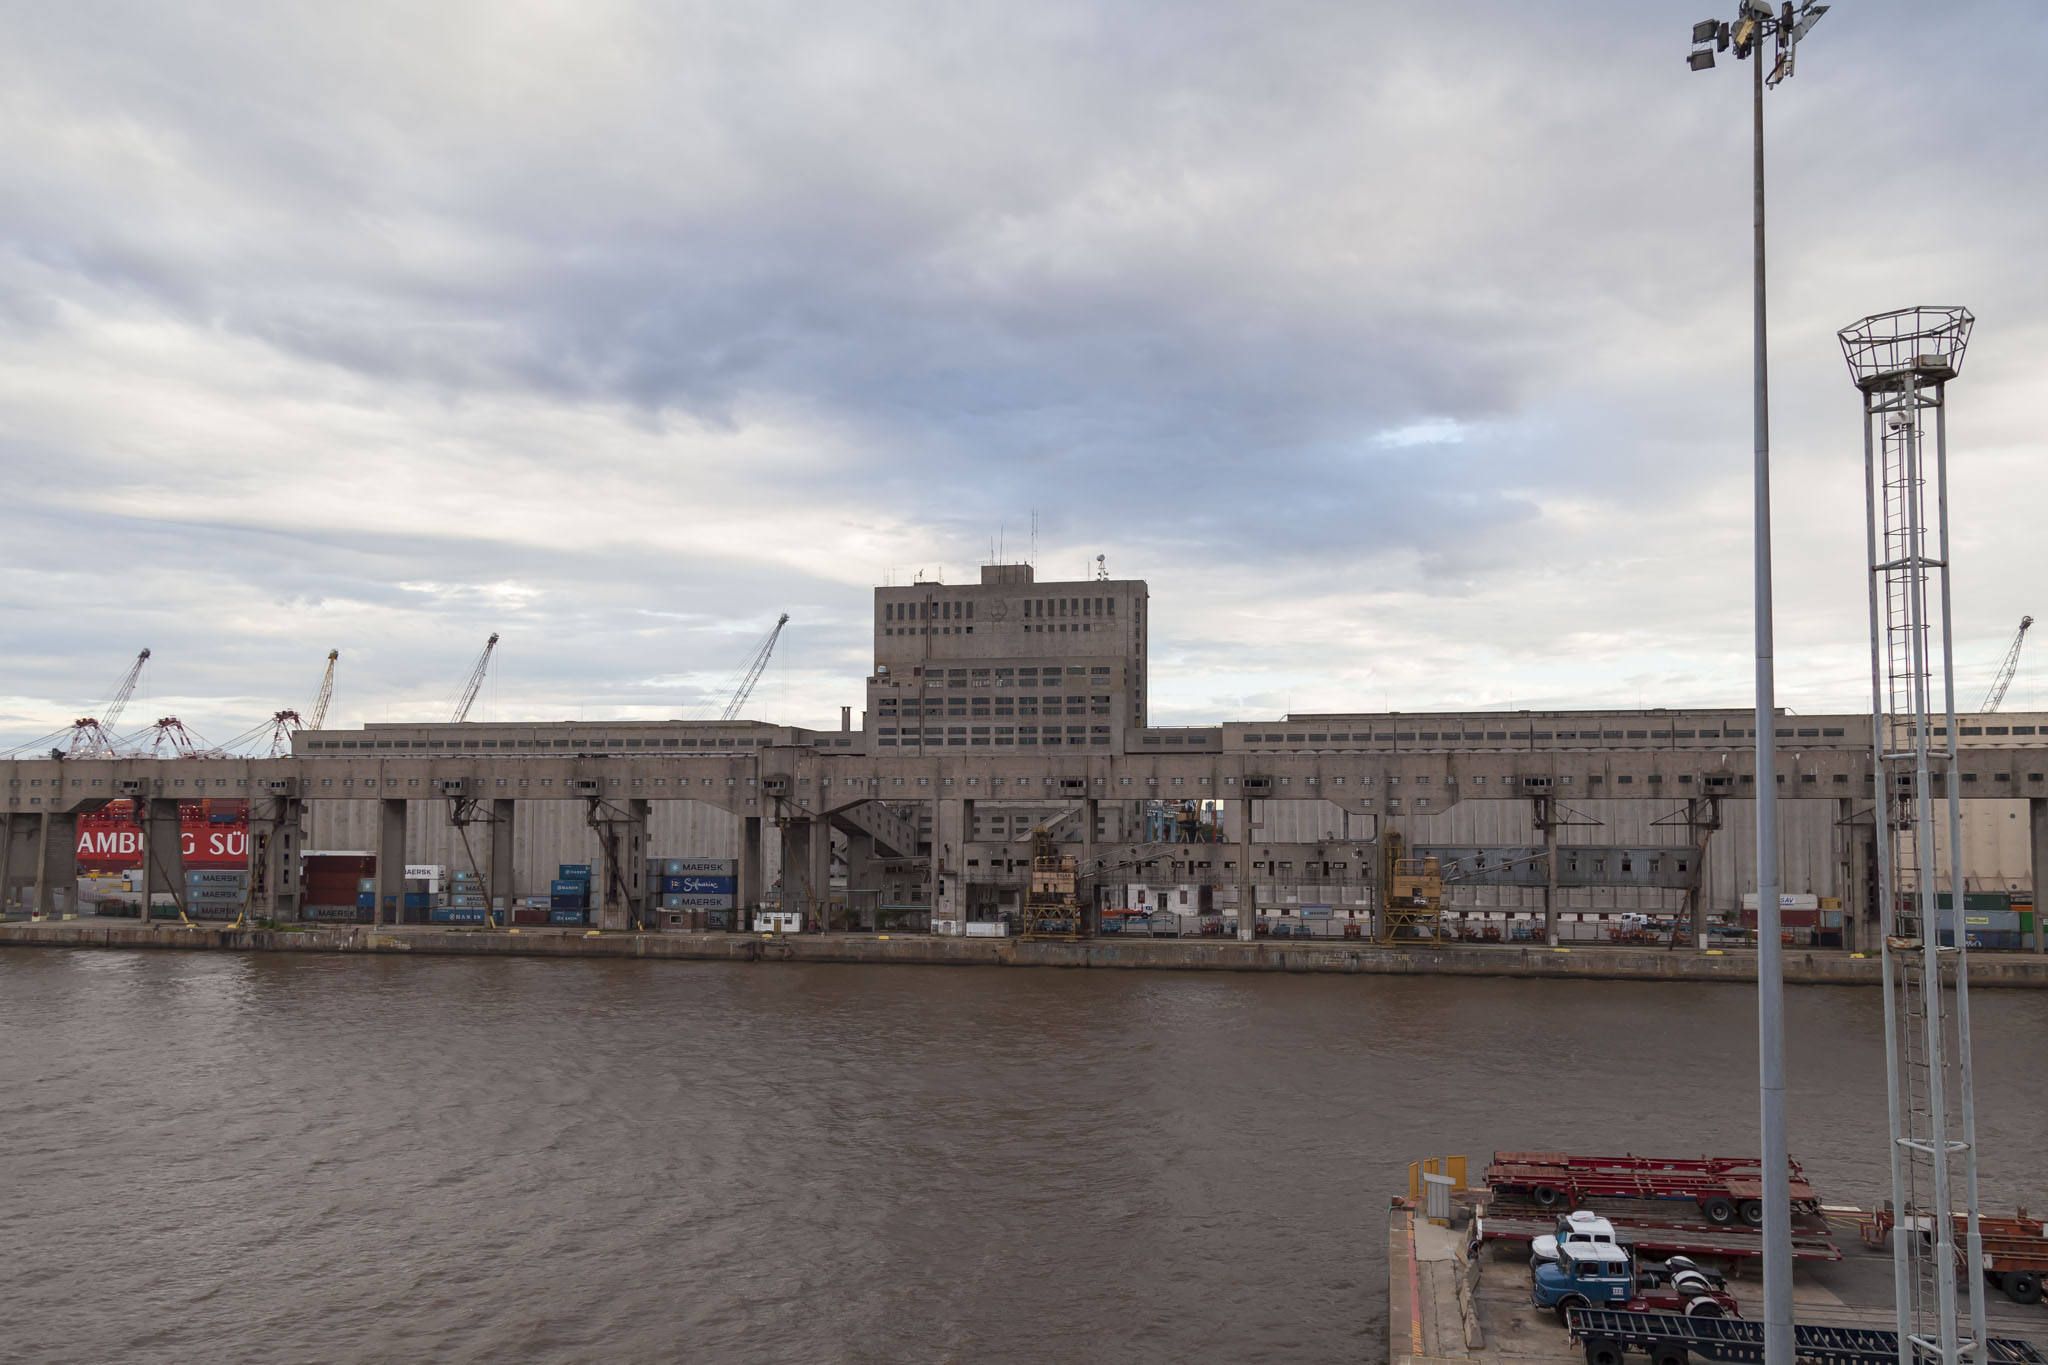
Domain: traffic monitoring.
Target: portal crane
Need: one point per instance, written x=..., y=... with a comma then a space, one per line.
x=327, y=691
x=2006, y=670
x=469, y=689
x=754, y=666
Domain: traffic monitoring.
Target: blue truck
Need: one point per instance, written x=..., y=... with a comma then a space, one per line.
x=1605, y=1275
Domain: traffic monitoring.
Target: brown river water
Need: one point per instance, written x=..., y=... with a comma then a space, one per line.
x=216, y=1157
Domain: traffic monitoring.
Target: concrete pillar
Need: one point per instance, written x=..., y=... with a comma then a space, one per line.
x=2037, y=837
x=949, y=837
x=19, y=858
x=820, y=856
x=504, y=828
x=1088, y=872
x=1547, y=814
x=622, y=876
x=274, y=857
x=57, y=864
x=163, y=850
x=1247, y=893
x=862, y=874
x=799, y=895
x=749, y=887
x=390, y=861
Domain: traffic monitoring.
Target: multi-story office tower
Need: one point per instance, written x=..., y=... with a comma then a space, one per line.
x=1008, y=664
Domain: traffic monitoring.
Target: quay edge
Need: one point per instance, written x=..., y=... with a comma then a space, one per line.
x=1987, y=970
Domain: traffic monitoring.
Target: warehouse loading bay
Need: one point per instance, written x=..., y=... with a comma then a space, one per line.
x=1003, y=778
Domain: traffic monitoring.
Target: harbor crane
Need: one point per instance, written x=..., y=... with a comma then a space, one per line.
x=752, y=672
x=2010, y=666
x=469, y=689
x=327, y=692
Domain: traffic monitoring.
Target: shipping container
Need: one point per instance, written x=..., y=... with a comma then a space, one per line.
x=1976, y=900
x=567, y=917
x=568, y=903
x=566, y=870
x=529, y=916
x=702, y=886
x=452, y=915
x=364, y=902
x=568, y=887
x=693, y=867
x=222, y=876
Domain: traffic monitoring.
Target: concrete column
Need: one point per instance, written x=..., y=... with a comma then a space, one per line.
x=19, y=858
x=274, y=857
x=163, y=850
x=1547, y=812
x=622, y=880
x=1247, y=893
x=949, y=837
x=820, y=855
x=796, y=866
x=57, y=864
x=2037, y=833
x=749, y=887
x=862, y=874
x=504, y=828
x=390, y=860
x=1085, y=881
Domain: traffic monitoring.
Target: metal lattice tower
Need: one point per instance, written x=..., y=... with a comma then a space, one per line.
x=1902, y=362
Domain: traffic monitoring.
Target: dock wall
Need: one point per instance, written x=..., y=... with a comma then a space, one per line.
x=1987, y=970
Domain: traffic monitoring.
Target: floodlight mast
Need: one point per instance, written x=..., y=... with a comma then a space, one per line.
x=1755, y=22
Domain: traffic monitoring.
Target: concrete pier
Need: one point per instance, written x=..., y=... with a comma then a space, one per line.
x=1987, y=970
x=1443, y=1305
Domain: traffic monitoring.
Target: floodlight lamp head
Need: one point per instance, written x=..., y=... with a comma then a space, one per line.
x=1701, y=60
x=1703, y=31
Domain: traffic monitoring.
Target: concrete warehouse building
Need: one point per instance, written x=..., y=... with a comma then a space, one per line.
x=996, y=707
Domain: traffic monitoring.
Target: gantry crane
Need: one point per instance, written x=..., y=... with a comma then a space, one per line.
x=476, y=680
x=2006, y=669
x=752, y=672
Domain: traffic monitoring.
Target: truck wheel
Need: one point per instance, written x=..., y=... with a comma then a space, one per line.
x=1565, y=1306
x=1601, y=1351
x=1667, y=1353
x=1547, y=1195
x=1752, y=1211
x=1718, y=1210
x=2022, y=1286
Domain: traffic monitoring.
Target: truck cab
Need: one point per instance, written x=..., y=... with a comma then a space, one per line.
x=1585, y=1275
x=1580, y=1225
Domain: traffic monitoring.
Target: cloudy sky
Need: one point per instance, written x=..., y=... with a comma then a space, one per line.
x=1403, y=349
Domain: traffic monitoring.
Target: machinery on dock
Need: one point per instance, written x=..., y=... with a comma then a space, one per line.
x=1412, y=907
x=1726, y=1189
x=1608, y=1335
x=1052, y=904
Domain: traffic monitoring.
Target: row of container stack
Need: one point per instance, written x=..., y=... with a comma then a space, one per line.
x=693, y=894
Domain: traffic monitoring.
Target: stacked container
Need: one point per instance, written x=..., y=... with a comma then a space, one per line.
x=464, y=901
x=693, y=893
x=332, y=886
x=216, y=893
x=569, y=894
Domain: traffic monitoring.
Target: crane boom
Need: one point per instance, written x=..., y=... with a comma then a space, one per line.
x=476, y=680
x=327, y=692
x=2006, y=669
x=754, y=667
x=123, y=693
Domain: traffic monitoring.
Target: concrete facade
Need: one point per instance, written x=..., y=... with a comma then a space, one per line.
x=856, y=822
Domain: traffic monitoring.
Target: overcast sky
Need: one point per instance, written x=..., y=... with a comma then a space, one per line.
x=1403, y=349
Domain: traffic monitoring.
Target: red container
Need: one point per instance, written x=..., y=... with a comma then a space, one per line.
x=529, y=917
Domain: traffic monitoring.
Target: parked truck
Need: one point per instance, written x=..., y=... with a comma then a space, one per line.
x=1593, y=1275
x=2015, y=1249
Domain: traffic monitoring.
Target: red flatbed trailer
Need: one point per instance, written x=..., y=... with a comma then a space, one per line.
x=1725, y=1188
x=1664, y=1238
x=2015, y=1249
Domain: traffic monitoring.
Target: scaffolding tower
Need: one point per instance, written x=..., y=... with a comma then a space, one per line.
x=1902, y=362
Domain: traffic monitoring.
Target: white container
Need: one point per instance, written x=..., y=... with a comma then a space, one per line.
x=986, y=928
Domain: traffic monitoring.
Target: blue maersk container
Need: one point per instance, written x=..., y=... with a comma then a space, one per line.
x=568, y=887
x=699, y=886
x=454, y=915
x=573, y=870
x=567, y=917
